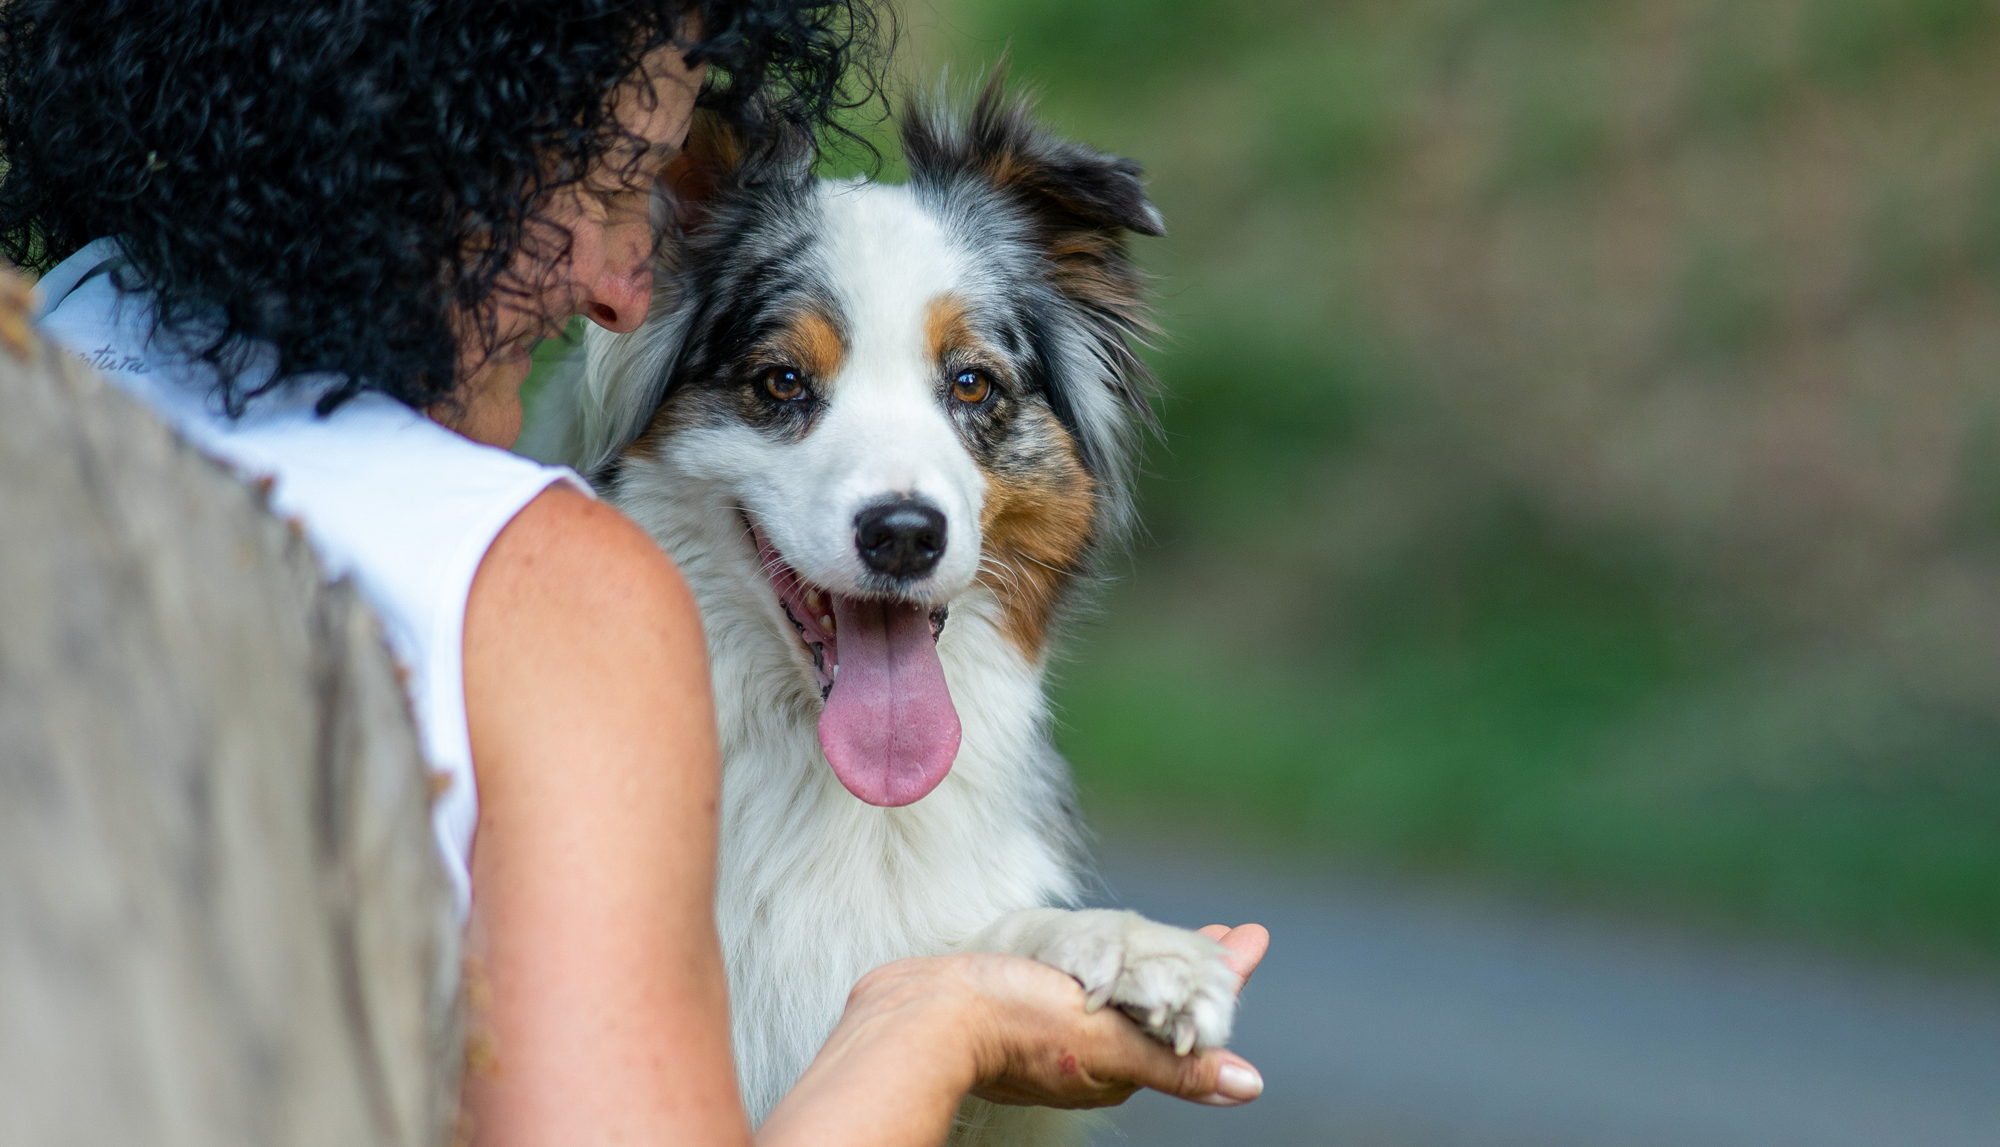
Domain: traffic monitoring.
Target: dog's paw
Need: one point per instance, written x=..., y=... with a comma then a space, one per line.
x=1171, y=981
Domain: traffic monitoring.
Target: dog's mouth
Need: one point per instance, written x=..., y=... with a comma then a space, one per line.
x=889, y=728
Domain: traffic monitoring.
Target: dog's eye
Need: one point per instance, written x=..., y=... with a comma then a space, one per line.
x=971, y=386
x=784, y=384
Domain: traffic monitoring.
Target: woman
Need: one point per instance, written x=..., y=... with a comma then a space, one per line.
x=321, y=238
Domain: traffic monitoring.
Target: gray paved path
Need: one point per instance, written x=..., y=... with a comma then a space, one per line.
x=1395, y=1018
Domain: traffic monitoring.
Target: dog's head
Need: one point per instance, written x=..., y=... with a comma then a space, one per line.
x=911, y=394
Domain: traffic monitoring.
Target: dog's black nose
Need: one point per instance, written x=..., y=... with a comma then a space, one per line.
x=903, y=539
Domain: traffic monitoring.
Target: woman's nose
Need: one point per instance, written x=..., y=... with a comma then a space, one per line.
x=618, y=299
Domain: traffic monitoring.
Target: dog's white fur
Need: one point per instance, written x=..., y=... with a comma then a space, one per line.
x=816, y=887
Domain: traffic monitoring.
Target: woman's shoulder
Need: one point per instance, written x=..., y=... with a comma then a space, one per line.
x=577, y=559
x=579, y=625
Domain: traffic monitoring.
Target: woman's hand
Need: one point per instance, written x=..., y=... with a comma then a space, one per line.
x=919, y=1034
x=1040, y=1048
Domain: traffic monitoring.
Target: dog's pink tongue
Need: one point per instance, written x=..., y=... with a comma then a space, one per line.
x=889, y=728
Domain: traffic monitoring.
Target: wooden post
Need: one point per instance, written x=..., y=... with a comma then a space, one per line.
x=222, y=920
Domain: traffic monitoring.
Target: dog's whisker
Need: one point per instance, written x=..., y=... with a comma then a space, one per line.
x=1009, y=578
x=1043, y=564
x=1005, y=574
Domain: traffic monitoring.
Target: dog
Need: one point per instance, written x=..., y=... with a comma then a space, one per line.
x=885, y=430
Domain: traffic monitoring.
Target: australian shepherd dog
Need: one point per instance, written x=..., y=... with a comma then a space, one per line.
x=884, y=430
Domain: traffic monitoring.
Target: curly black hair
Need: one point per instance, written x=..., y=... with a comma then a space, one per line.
x=340, y=178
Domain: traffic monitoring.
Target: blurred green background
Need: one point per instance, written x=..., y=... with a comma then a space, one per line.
x=1582, y=457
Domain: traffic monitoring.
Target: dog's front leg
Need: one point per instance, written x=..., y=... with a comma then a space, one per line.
x=1173, y=982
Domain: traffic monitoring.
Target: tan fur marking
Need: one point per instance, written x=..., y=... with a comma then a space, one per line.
x=1039, y=513
x=1009, y=169
x=1086, y=267
x=809, y=341
x=712, y=140
x=946, y=328
x=812, y=340
x=1037, y=529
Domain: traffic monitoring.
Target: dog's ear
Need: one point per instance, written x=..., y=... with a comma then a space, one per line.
x=1066, y=187
x=710, y=161
x=1079, y=202
x=719, y=158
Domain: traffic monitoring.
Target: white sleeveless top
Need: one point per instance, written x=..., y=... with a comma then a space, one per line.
x=402, y=505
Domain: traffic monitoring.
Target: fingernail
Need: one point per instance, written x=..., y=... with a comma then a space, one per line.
x=1236, y=1083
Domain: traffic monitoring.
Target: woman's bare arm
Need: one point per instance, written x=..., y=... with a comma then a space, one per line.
x=594, y=875
x=586, y=683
